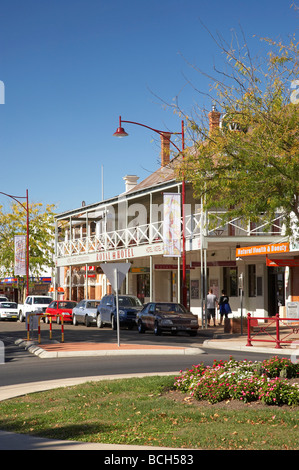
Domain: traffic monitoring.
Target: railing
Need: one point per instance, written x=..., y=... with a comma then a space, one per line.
x=153, y=232
x=237, y=227
x=272, y=329
x=39, y=316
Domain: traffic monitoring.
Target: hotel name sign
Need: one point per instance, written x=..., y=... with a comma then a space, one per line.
x=122, y=254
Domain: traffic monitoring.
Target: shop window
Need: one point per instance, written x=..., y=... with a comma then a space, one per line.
x=230, y=281
x=251, y=280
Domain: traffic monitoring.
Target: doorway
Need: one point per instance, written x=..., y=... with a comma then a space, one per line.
x=276, y=290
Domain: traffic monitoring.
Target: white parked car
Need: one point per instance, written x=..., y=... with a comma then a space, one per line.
x=34, y=303
x=9, y=311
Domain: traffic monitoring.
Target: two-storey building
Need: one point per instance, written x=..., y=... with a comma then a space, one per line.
x=131, y=227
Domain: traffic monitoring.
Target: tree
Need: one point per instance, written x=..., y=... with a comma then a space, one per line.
x=250, y=165
x=41, y=233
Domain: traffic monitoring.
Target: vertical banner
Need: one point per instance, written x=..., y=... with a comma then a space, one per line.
x=172, y=224
x=20, y=255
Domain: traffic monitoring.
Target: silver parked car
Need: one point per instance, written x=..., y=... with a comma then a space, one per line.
x=85, y=312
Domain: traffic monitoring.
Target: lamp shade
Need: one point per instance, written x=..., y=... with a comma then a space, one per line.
x=120, y=132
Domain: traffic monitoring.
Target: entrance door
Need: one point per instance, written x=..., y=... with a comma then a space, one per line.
x=143, y=286
x=276, y=291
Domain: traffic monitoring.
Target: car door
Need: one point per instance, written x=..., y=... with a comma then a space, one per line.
x=150, y=316
x=101, y=308
x=108, y=308
x=80, y=311
x=144, y=313
x=52, y=309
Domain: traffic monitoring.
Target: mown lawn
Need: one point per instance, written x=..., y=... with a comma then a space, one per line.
x=148, y=412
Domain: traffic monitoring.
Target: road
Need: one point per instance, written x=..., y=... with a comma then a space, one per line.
x=20, y=366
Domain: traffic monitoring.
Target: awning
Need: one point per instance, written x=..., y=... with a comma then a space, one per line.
x=282, y=262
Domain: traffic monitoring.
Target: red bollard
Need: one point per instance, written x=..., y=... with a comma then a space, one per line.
x=277, y=332
x=248, y=330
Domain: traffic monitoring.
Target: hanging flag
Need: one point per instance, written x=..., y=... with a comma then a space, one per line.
x=20, y=255
x=172, y=224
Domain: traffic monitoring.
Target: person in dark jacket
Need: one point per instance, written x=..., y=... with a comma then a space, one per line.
x=224, y=307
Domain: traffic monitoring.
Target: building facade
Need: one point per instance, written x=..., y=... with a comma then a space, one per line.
x=131, y=227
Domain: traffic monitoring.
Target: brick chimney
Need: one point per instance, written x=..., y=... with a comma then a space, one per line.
x=165, y=148
x=214, y=119
x=130, y=182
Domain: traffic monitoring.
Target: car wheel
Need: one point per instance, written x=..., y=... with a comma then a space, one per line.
x=21, y=318
x=140, y=327
x=87, y=322
x=75, y=320
x=58, y=320
x=47, y=319
x=99, y=321
x=113, y=322
x=157, y=330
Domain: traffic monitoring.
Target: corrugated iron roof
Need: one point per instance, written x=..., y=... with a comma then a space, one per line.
x=164, y=174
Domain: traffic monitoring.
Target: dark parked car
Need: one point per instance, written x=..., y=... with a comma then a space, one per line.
x=128, y=306
x=166, y=316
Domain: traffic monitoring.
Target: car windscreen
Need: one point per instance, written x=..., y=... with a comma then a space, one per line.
x=42, y=300
x=67, y=304
x=124, y=301
x=92, y=304
x=8, y=305
x=177, y=308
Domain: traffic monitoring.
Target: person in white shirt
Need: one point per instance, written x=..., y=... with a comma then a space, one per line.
x=211, y=305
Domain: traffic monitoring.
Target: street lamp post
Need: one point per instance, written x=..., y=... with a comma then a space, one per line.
x=26, y=208
x=120, y=132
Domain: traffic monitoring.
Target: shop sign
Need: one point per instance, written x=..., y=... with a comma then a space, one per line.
x=171, y=266
x=262, y=250
x=292, y=311
x=140, y=270
x=9, y=280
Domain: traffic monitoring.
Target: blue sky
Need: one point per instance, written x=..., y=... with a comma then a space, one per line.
x=71, y=67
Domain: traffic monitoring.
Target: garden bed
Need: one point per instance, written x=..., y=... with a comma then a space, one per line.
x=271, y=382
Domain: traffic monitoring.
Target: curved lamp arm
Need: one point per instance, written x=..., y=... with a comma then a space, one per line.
x=120, y=132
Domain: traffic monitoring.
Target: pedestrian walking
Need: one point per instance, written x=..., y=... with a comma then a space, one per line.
x=224, y=307
x=212, y=302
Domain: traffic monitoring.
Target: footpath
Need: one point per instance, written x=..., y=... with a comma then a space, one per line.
x=211, y=338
